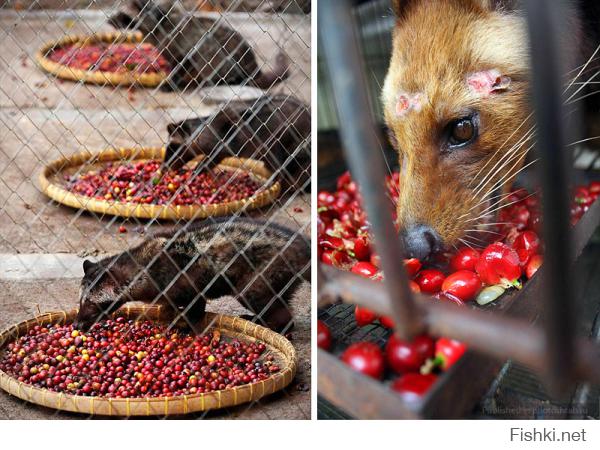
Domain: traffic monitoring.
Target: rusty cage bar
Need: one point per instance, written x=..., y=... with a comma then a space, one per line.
x=491, y=338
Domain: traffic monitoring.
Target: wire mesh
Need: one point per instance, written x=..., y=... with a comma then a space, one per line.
x=238, y=86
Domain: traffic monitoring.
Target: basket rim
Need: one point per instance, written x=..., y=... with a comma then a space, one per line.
x=151, y=211
x=100, y=77
x=221, y=322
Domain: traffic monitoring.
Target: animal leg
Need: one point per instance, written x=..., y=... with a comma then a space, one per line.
x=194, y=314
x=268, y=302
x=175, y=80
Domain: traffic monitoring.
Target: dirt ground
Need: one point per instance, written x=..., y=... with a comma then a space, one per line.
x=42, y=119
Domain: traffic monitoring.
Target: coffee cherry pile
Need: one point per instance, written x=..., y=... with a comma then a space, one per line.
x=121, y=358
x=119, y=58
x=143, y=182
x=469, y=274
x=345, y=242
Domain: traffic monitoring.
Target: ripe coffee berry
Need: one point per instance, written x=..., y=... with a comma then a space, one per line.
x=143, y=182
x=121, y=358
x=510, y=252
x=120, y=58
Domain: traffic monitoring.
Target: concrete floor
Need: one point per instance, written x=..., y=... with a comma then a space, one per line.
x=42, y=119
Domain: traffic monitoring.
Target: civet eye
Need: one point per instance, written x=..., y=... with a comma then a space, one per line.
x=462, y=131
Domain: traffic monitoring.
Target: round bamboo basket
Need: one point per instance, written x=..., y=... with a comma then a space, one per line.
x=233, y=327
x=52, y=184
x=97, y=76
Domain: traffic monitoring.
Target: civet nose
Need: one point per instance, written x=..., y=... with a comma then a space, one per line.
x=421, y=241
x=82, y=324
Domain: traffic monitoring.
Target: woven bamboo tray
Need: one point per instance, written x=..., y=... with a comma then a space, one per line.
x=52, y=184
x=97, y=76
x=233, y=327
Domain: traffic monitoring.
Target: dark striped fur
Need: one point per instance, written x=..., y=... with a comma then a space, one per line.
x=270, y=129
x=202, y=51
x=183, y=269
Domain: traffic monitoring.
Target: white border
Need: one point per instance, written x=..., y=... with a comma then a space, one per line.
x=313, y=212
x=285, y=435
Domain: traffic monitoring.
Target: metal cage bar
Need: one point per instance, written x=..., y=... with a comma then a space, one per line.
x=353, y=107
x=544, y=20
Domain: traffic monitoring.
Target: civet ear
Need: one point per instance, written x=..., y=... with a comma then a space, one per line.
x=400, y=7
x=88, y=266
x=488, y=82
x=497, y=5
x=141, y=4
x=121, y=21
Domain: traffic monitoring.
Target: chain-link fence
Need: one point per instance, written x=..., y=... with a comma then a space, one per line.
x=168, y=146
